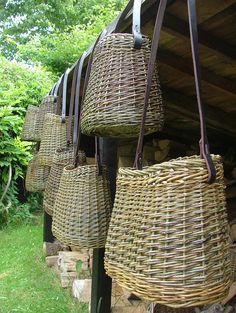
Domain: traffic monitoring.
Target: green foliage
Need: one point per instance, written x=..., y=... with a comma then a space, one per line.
x=26, y=284
x=21, y=20
x=59, y=50
x=21, y=86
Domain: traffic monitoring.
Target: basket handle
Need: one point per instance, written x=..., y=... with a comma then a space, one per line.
x=136, y=21
x=151, y=67
x=76, y=156
x=57, y=86
x=204, y=144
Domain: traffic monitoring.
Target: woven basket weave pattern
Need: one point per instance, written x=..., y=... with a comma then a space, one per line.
x=62, y=157
x=36, y=176
x=168, y=236
x=54, y=136
x=82, y=207
x=114, y=98
x=48, y=105
x=30, y=129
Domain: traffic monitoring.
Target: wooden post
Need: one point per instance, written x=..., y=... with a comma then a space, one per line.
x=101, y=283
x=47, y=228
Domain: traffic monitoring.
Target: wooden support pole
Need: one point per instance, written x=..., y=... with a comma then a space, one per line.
x=101, y=283
x=47, y=228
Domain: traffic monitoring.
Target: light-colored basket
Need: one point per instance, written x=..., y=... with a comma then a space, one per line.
x=54, y=136
x=36, y=175
x=48, y=105
x=62, y=158
x=114, y=98
x=168, y=238
x=82, y=207
x=30, y=129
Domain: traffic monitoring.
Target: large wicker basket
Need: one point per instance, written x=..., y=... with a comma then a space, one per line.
x=54, y=136
x=168, y=238
x=82, y=207
x=62, y=158
x=36, y=175
x=114, y=98
x=31, y=127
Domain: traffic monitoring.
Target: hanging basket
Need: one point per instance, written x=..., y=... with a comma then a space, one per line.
x=54, y=136
x=48, y=105
x=31, y=126
x=82, y=207
x=168, y=238
x=36, y=176
x=113, y=103
x=62, y=158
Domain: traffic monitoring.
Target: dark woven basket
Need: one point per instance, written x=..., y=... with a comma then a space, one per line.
x=62, y=158
x=113, y=103
x=54, y=136
x=82, y=207
x=168, y=238
x=31, y=128
x=36, y=175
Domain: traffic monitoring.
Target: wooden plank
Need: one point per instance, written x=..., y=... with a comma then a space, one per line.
x=186, y=66
x=180, y=28
x=187, y=106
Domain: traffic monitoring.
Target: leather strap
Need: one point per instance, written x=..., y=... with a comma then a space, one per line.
x=51, y=92
x=57, y=86
x=136, y=22
x=151, y=68
x=77, y=96
x=64, y=96
x=204, y=145
x=72, y=103
x=59, y=98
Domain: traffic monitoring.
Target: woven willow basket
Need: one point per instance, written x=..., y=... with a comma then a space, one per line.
x=36, y=175
x=114, y=98
x=168, y=238
x=82, y=207
x=54, y=136
x=30, y=129
x=62, y=157
x=48, y=105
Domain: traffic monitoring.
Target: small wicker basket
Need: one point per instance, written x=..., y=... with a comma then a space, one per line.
x=31, y=127
x=54, y=136
x=36, y=176
x=82, y=207
x=62, y=158
x=48, y=105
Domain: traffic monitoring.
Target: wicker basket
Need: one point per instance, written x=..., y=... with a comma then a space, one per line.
x=54, y=136
x=62, y=157
x=168, y=238
x=30, y=129
x=82, y=207
x=48, y=105
x=114, y=98
x=36, y=175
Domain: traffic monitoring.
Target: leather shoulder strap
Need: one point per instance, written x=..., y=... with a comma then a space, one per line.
x=204, y=145
x=64, y=96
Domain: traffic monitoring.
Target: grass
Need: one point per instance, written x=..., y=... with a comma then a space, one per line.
x=26, y=284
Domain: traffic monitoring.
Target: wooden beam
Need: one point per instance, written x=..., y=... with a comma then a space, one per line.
x=187, y=107
x=220, y=16
x=180, y=28
x=186, y=66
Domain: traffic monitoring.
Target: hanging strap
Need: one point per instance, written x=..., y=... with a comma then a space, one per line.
x=72, y=103
x=136, y=22
x=204, y=145
x=59, y=93
x=78, y=105
x=64, y=96
x=76, y=159
x=57, y=86
x=51, y=92
x=151, y=67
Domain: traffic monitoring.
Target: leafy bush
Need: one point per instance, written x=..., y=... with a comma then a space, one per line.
x=21, y=86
